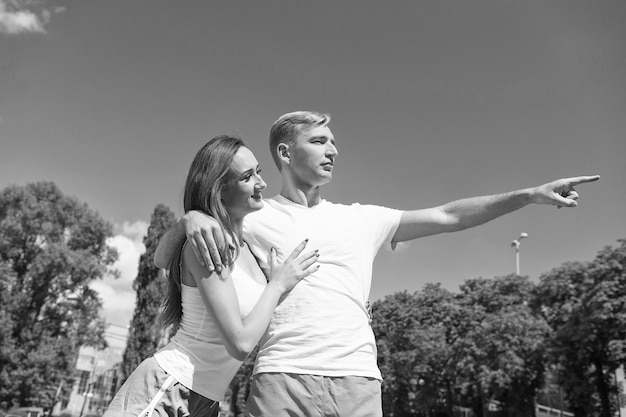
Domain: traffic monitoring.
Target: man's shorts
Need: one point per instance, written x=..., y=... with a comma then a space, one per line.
x=150, y=392
x=282, y=395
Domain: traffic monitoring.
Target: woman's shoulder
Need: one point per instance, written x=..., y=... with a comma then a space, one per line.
x=189, y=265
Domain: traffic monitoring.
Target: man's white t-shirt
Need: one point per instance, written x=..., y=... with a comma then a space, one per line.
x=321, y=327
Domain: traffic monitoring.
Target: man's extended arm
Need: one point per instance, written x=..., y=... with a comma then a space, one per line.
x=470, y=212
x=203, y=231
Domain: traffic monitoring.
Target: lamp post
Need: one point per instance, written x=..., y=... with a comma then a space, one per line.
x=516, y=244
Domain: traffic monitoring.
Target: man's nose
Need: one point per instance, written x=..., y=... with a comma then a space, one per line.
x=331, y=150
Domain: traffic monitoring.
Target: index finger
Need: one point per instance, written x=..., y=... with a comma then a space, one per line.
x=584, y=179
x=298, y=250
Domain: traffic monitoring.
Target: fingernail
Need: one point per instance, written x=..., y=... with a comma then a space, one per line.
x=306, y=240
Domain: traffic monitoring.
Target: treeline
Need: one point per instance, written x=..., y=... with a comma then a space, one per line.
x=506, y=340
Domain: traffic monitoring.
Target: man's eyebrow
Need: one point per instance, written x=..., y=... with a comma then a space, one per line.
x=325, y=137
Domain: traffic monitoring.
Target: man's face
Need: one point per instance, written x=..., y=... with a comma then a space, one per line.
x=313, y=155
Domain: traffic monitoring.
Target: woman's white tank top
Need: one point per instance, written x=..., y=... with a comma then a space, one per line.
x=196, y=355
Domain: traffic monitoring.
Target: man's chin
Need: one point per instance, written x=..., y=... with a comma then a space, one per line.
x=326, y=178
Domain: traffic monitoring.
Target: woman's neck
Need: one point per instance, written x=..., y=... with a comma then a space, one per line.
x=237, y=227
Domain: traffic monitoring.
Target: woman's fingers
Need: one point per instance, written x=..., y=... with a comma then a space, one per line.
x=297, y=251
x=309, y=259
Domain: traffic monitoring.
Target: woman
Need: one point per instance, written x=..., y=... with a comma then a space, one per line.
x=219, y=318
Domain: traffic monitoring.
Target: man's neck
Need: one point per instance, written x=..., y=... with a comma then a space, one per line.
x=305, y=197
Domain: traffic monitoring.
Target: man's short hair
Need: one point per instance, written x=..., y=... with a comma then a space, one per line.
x=290, y=125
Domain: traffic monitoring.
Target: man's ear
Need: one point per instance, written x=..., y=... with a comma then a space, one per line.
x=283, y=152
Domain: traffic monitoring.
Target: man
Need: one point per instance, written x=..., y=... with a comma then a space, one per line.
x=318, y=355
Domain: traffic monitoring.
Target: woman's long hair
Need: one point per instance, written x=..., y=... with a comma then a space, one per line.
x=208, y=176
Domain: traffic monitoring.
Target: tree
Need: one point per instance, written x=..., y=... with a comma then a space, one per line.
x=419, y=339
x=507, y=346
x=438, y=350
x=145, y=332
x=585, y=304
x=51, y=248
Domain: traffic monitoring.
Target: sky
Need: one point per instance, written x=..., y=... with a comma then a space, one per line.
x=431, y=101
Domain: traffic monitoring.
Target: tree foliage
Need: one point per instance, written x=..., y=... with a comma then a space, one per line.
x=507, y=346
x=145, y=332
x=51, y=248
x=419, y=338
x=585, y=304
x=438, y=350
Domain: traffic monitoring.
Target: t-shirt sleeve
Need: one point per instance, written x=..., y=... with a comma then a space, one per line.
x=383, y=223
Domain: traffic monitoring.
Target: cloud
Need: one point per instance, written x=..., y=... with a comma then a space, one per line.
x=136, y=231
x=117, y=294
x=25, y=16
x=117, y=306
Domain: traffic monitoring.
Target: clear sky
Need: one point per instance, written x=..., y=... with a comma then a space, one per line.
x=430, y=101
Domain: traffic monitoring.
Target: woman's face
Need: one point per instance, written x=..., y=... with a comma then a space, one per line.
x=242, y=195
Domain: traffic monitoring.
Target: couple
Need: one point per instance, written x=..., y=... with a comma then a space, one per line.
x=317, y=353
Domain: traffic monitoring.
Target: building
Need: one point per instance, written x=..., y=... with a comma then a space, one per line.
x=98, y=376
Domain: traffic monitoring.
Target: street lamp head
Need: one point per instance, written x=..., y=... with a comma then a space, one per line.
x=516, y=245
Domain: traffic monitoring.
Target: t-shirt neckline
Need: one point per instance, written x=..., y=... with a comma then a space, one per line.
x=284, y=200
